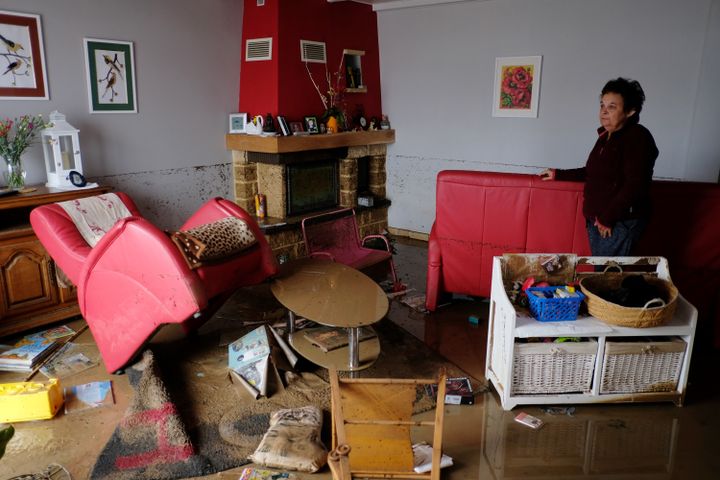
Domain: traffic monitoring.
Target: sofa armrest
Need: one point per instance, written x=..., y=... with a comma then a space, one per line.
x=135, y=260
x=218, y=208
x=379, y=237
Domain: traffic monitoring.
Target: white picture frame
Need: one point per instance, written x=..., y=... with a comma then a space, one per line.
x=516, y=92
x=237, y=122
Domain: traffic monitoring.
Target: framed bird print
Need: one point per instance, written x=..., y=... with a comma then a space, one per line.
x=110, y=69
x=22, y=58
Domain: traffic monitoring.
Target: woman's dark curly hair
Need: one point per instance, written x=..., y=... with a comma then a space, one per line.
x=631, y=92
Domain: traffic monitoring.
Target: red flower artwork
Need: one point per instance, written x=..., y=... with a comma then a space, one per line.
x=516, y=88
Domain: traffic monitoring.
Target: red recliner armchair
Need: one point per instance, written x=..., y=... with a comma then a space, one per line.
x=135, y=279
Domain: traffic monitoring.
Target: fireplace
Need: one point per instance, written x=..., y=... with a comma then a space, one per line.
x=311, y=187
x=300, y=175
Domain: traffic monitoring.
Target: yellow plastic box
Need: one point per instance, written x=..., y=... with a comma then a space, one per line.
x=23, y=401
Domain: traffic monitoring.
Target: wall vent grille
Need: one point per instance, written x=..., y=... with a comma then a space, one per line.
x=257, y=49
x=313, y=52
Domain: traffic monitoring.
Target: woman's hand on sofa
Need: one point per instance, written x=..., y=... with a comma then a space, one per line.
x=547, y=174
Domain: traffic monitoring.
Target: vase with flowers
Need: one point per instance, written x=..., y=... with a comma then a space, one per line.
x=15, y=136
x=332, y=97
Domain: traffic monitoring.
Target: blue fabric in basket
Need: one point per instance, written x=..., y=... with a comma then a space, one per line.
x=553, y=309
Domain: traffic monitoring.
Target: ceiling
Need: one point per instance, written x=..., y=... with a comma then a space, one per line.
x=394, y=4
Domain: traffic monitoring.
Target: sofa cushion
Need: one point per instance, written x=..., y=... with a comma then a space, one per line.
x=214, y=241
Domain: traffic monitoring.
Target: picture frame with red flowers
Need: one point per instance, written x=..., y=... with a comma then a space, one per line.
x=517, y=86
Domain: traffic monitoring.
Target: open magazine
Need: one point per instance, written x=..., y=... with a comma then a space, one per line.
x=254, y=360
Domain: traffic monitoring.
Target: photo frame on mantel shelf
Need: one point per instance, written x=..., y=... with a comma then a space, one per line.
x=311, y=125
x=23, y=76
x=517, y=86
x=237, y=122
x=110, y=68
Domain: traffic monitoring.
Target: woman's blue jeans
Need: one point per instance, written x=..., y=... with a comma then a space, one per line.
x=625, y=234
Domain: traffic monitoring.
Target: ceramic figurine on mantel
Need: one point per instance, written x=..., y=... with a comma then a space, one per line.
x=61, y=148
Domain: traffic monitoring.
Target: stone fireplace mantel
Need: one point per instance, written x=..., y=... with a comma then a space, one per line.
x=260, y=166
x=258, y=143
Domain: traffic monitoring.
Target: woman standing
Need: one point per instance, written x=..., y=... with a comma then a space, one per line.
x=618, y=172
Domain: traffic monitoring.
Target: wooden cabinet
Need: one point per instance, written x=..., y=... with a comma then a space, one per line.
x=30, y=295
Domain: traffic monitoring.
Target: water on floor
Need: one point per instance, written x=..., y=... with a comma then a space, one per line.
x=618, y=441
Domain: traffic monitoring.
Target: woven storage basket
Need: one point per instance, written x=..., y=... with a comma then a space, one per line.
x=553, y=367
x=650, y=316
x=642, y=366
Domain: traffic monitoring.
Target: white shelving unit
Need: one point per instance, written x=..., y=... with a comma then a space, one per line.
x=507, y=324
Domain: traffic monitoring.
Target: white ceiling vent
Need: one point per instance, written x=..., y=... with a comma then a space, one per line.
x=312, y=51
x=257, y=49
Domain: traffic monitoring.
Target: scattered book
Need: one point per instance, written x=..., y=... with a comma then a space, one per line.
x=330, y=338
x=529, y=420
x=262, y=474
x=27, y=354
x=254, y=360
x=67, y=361
x=88, y=395
x=32, y=349
x=458, y=391
x=422, y=458
x=415, y=301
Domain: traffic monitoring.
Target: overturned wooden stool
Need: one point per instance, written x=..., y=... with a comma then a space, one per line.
x=371, y=426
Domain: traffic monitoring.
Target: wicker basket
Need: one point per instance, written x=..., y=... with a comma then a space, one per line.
x=642, y=365
x=648, y=316
x=553, y=367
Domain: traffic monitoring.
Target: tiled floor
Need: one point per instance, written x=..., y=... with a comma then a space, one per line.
x=621, y=441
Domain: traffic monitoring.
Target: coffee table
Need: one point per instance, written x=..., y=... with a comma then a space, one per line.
x=334, y=295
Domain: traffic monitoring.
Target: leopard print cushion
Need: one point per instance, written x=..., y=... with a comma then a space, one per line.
x=213, y=241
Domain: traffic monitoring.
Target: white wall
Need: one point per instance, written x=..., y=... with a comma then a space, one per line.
x=171, y=155
x=437, y=72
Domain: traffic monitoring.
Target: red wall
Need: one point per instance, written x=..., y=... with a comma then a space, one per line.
x=282, y=86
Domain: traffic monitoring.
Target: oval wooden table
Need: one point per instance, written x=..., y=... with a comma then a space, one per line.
x=334, y=295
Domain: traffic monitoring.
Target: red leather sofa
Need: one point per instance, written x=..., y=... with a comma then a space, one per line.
x=135, y=280
x=481, y=214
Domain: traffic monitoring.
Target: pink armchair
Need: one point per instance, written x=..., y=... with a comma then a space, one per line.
x=135, y=279
x=334, y=235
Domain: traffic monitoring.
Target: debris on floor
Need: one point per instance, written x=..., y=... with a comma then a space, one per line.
x=569, y=411
x=422, y=458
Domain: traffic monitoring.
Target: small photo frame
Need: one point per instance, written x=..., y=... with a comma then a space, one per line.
x=110, y=68
x=296, y=127
x=237, y=122
x=25, y=76
x=517, y=86
x=311, y=125
x=284, y=127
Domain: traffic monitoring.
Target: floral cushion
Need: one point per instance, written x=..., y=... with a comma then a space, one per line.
x=214, y=241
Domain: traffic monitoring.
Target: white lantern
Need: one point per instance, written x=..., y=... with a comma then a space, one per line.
x=61, y=149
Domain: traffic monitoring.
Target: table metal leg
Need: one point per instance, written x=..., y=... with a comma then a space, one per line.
x=291, y=322
x=353, y=347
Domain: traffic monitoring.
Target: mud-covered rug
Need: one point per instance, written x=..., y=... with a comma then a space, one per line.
x=187, y=418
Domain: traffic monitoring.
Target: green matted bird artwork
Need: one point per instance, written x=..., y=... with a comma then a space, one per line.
x=22, y=58
x=110, y=76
